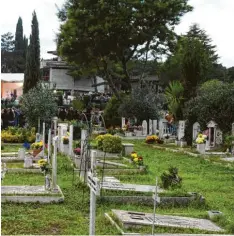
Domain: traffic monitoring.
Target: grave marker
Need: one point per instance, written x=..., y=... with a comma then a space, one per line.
x=154, y=126
x=49, y=145
x=181, y=129
x=150, y=126
x=94, y=186
x=123, y=122
x=196, y=130
x=83, y=153
x=144, y=125
x=55, y=120
x=54, y=164
x=70, y=152
x=43, y=140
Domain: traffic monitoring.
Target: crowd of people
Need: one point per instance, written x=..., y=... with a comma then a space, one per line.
x=11, y=117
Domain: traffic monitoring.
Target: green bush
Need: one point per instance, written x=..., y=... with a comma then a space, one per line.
x=112, y=144
x=109, y=143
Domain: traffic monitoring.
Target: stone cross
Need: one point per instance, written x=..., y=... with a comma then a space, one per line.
x=83, y=154
x=70, y=152
x=54, y=164
x=43, y=140
x=144, y=125
x=49, y=145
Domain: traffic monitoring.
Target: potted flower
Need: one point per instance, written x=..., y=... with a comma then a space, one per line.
x=65, y=148
x=133, y=156
x=37, y=148
x=77, y=151
x=139, y=162
x=201, y=143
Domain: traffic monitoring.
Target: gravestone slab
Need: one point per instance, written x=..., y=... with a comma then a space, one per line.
x=181, y=129
x=112, y=163
x=139, y=218
x=110, y=179
x=150, y=127
x=129, y=187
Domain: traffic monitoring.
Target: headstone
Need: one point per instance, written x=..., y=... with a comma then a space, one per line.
x=55, y=121
x=28, y=163
x=54, y=164
x=162, y=126
x=181, y=129
x=196, y=130
x=219, y=137
x=83, y=153
x=144, y=125
x=127, y=148
x=212, y=127
x=21, y=153
x=123, y=122
x=70, y=152
x=43, y=140
x=150, y=127
x=59, y=138
x=38, y=137
x=49, y=145
x=154, y=126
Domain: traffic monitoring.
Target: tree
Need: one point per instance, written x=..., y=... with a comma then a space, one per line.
x=107, y=35
x=202, y=60
x=38, y=102
x=143, y=104
x=212, y=105
x=32, y=71
x=7, y=42
x=174, y=96
x=19, y=40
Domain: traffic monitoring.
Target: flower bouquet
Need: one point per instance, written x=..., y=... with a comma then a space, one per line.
x=77, y=151
x=37, y=148
x=201, y=143
x=151, y=139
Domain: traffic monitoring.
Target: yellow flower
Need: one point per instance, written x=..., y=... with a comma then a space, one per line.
x=134, y=155
x=135, y=159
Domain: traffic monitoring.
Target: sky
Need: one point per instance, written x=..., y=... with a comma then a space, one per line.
x=214, y=16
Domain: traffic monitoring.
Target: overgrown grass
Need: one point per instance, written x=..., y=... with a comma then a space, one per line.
x=15, y=165
x=214, y=181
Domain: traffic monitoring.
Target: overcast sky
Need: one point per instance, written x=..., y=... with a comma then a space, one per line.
x=215, y=16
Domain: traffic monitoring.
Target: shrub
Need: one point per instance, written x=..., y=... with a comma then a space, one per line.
x=109, y=143
x=171, y=179
x=112, y=144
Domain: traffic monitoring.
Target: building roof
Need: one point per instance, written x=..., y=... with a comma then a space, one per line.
x=12, y=77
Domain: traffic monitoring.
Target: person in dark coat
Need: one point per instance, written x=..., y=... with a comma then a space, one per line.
x=4, y=119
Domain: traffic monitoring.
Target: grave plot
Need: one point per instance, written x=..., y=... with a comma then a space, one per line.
x=16, y=188
x=130, y=219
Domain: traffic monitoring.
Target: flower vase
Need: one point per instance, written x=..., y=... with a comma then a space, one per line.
x=36, y=152
x=201, y=148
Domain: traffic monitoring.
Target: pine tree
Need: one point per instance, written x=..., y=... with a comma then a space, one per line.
x=32, y=72
x=19, y=41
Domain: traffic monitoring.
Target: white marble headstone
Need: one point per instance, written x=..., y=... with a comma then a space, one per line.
x=154, y=126
x=150, y=126
x=196, y=130
x=144, y=125
x=181, y=129
x=123, y=122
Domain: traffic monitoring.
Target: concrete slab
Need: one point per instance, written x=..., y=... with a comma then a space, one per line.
x=231, y=159
x=130, y=219
x=24, y=194
x=129, y=187
x=111, y=163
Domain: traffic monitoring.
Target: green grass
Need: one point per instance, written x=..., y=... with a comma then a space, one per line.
x=211, y=179
x=23, y=179
x=15, y=165
x=11, y=148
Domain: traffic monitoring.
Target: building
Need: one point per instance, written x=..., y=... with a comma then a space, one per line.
x=56, y=73
x=11, y=84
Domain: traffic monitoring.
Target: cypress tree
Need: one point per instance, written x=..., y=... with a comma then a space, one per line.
x=19, y=41
x=32, y=72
